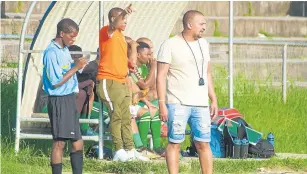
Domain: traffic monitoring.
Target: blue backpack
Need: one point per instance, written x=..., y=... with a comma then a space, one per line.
x=216, y=143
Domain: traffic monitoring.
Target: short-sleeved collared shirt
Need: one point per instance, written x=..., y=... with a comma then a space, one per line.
x=183, y=77
x=57, y=61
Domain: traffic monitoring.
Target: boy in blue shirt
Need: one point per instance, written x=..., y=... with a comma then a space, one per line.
x=61, y=85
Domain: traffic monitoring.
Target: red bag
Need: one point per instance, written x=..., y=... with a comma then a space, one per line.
x=229, y=113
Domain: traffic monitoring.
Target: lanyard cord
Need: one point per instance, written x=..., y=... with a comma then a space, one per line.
x=202, y=71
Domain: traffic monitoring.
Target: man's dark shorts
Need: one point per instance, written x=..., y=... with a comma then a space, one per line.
x=63, y=115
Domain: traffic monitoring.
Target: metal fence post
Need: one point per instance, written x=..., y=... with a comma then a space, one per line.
x=284, y=74
x=100, y=144
x=20, y=73
x=230, y=62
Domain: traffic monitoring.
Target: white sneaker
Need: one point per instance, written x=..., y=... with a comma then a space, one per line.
x=135, y=155
x=120, y=155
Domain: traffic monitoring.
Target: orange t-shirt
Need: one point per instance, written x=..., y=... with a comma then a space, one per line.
x=113, y=64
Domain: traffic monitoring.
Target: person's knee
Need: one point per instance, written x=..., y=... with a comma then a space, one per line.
x=173, y=146
x=141, y=112
x=58, y=145
x=202, y=146
x=77, y=145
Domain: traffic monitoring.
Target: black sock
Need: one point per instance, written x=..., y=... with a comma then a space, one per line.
x=56, y=168
x=76, y=160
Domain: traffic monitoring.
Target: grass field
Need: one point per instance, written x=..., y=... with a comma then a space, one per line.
x=31, y=161
x=261, y=105
x=264, y=110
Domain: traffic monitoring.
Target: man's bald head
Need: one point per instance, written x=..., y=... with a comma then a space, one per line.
x=114, y=12
x=145, y=40
x=189, y=16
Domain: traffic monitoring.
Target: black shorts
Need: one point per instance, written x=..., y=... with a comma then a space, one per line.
x=63, y=115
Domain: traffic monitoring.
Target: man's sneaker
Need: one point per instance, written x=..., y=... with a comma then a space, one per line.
x=120, y=155
x=135, y=155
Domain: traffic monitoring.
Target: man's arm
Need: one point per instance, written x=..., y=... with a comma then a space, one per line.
x=67, y=76
x=161, y=81
x=133, y=49
x=161, y=89
x=54, y=71
x=212, y=94
x=164, y=61
x=150, y=80
x=81, y=63
x=114, y=23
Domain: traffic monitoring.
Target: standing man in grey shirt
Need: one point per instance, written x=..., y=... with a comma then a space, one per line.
x=184, y=86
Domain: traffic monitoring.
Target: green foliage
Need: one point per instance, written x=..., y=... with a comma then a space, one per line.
x=263, y=108
x=26, y=162
x=250, y=9
x=261, y=105
x=8, y=103
x=28, y=39
x=9, y=65
x=269, y=35
x=15, y=32
x=217, y=32
x=18, y=7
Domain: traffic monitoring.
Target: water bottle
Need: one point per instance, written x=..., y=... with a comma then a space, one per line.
x=270, y=138
x=244, y=148
x=236, y=148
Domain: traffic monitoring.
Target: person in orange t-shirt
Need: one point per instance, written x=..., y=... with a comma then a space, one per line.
x=112, y=88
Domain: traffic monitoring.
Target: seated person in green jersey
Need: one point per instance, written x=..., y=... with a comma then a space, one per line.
x=138, y=112
x=150, y=80
x=140, y=77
